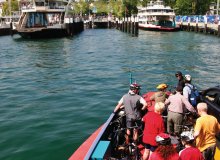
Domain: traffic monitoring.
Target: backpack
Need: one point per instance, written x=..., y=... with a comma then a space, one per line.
x=194, y=96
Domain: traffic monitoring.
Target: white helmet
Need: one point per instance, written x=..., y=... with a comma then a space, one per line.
x=187, y=136
x=187, y=77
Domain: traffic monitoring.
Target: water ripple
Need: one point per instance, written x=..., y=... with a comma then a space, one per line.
x=55, y=93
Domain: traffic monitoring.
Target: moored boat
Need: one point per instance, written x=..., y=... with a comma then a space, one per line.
x=157, y=17
x=41, y=19
x=7, y=23
x=107, y=141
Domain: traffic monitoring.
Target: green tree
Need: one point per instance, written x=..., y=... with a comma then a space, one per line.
x=130, y=7
x=201, y=7
x=6, y=9
x=189, y=7
x=183, y=7
x=116, y=8
x=80, y=7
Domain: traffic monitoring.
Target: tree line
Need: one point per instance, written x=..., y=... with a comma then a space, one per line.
x=125, y=8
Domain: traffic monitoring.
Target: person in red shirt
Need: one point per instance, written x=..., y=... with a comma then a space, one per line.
x=153, y=125
x=190, y=152
x=165, y=150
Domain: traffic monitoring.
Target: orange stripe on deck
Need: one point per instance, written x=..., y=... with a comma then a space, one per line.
x=81, y=152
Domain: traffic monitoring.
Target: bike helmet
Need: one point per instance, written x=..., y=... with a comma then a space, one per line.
x=163, y=139
x=187, y=77
x=162, y=86
x=135, y=86
x=178, y=73
x=187, y=136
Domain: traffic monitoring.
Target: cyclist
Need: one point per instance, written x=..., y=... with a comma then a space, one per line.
x=176, y=105
x=131, y=103
x=161, y=95
x=153, y=125
x=190, y=92
x=165, y=150
x=180, y=78
x=206, y=129
x=190, y=151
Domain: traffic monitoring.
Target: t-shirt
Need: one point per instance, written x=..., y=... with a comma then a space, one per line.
x=156, y=156
x=153, y=125
x=129, y=101
x=181, y=83
x=159, y=96
x=191, y=153
x=208, y=127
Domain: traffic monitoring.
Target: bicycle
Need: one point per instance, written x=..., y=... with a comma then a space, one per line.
x=122, y=150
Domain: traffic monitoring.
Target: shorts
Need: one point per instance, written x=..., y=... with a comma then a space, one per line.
x=133, y=123
x=150, y=147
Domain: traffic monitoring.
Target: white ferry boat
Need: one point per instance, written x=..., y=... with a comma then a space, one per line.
x=157, y=17
x=40, y=18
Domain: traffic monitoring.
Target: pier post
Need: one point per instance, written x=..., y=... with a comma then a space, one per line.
x=219, y=28
x=188, y=27
x=197, y=28
x=116, y=23
x=109, y=24
x=126, y=24
x=205, y=21
x=136, y=26
x=90, y=24
x=181, y=24
x=72, y=26
x=132, y=27
x=67, y=25
x=11, y=29
x=123, y=25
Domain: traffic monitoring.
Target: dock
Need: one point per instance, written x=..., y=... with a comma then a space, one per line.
x=206, y=28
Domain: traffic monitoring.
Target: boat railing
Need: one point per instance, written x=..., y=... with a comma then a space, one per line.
x=158, y=13
x=36, y=8
x=94, y=144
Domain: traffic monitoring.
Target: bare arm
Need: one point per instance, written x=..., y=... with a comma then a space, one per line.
x=142, y=101
x=118, y=106
x=188, y=105
x=152, y=97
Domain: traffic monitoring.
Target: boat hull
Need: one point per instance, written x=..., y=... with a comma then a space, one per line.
x=43, y=33
x=160, y=28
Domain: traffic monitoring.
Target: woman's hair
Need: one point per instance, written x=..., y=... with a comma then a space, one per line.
x=159, y=107
x=165, y=151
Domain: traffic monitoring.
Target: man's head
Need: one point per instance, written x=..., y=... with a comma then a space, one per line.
x=134, y=87
x=179, y=89
x=202, y=108
x=187, y=78
x=178, y=75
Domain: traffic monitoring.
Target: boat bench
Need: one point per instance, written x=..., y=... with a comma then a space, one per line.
x=101, y=151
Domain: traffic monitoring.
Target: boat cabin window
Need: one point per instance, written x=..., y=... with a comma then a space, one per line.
x=39, y=3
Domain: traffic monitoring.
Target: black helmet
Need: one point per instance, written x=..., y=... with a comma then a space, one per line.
x=163, y=139
x=178, y=73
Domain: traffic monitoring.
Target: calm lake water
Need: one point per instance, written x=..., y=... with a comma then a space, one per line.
x=54, y=93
